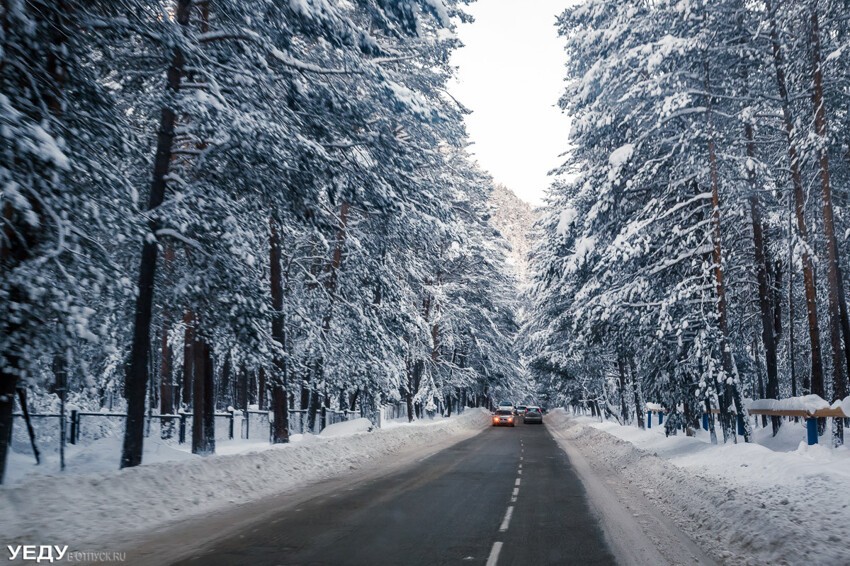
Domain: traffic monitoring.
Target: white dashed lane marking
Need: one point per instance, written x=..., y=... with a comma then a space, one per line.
x=506, y=522
x=493, y=559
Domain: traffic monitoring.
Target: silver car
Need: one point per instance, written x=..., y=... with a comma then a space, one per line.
x=533, y=415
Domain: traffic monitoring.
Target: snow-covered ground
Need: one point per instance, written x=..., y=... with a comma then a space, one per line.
x=774, y=501
x=93, y=501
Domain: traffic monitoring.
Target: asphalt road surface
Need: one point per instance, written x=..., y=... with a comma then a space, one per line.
x=505, y=496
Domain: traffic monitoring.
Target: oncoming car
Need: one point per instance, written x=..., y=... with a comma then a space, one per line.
x=504, y=417
x=533, y=415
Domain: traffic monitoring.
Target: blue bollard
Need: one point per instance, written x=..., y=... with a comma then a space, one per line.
x=649, y=419
x=741, y=425
x=705, y=421
x=660, y=417
x=812, y=429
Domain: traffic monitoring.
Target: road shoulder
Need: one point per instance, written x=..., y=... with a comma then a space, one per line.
x=637, y=531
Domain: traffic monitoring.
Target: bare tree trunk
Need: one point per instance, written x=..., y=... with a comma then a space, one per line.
x=244, y=387
x=331, y=281
x=725, y=390
x=137, y=372
x=768, y=335
x=791, y=359
x=638, y=394
x=838, y=322
x=817, y=385
x=280, y=432
x=166, y=398
x=188, y=357
x=261, y=389
x=198, y=395
x=624, y=406
x=203, y=410
x=209, y=401
x=227, y=388
x=22, y=400
x=166, y=369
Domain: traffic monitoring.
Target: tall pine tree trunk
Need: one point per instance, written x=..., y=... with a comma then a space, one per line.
x=209, y=400
x=137, y=371
x=203, y=407
x=838, y=322
x=166, y=393
x=726, y=390
x=817, y=385
x=768, y=334
x=280, y=430
x=636, y=391
x=188, y=358
x=624, y=405
x=331, y=283
x=262, y=387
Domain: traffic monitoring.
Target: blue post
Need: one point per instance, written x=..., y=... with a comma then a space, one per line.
x=741, y=425
x=705, y=421
x=660, y=417
x=649, y=419
x=812, y=429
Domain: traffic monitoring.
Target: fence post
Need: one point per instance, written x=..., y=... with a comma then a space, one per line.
x=660, y=417
x=705, y=421
x=232, y=412
x=74, y=426
x=741, y=425
x=649, y=419
x=324, y=418
x=182, y=438
x=247, y=424
x=812, y=429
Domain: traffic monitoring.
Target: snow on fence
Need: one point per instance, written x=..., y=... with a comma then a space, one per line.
x=657, y=409
x=809, y=407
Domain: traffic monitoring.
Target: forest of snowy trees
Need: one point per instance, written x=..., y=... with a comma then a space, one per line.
x=211, y=203
x=696, y=253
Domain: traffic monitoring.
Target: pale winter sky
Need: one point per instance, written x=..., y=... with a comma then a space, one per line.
x=511, y=74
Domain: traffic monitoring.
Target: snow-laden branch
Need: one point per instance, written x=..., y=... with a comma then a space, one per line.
x=171, y=233
x=306, y=67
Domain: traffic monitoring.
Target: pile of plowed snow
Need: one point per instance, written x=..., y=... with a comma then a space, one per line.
x=778, y=502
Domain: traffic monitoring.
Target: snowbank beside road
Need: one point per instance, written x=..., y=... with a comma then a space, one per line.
x=743, y=503
x=89, y=508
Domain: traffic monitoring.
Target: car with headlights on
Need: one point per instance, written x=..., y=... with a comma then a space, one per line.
x=533, y=415
x=504, y=417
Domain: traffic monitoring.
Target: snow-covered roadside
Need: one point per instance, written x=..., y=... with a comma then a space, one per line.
x=744, y=503
x=92, y=507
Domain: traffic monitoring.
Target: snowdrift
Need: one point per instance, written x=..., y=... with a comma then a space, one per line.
x=88, y=508
x=775, y=501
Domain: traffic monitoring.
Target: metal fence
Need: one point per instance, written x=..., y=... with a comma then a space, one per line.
x=228, y=424
x=235, y=424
